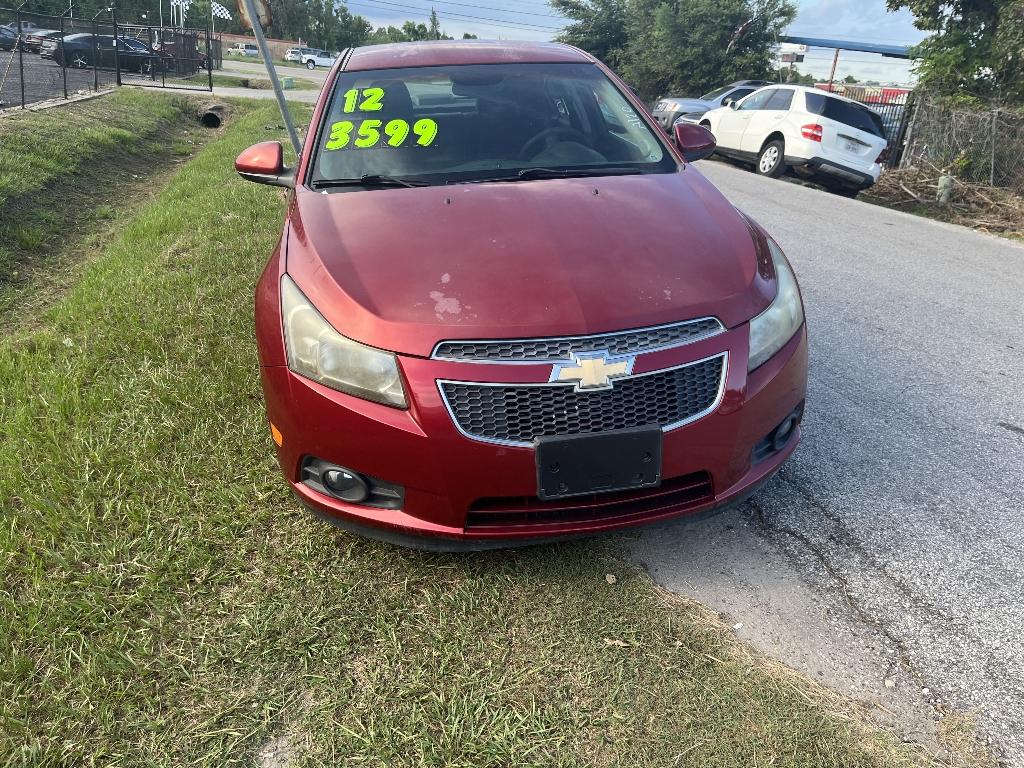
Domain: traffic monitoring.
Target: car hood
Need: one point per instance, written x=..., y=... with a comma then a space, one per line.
x=403, y=269
x=690, y=105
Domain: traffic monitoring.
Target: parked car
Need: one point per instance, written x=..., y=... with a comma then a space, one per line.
x=821, y=136
x=34, y=41
x=82, y=49
x=505, y=318
x=169, y=49
x=668, y=110
x=8, y=39
x=244, y=49
x=318, y=58
x=27, y=27
x=296, y=54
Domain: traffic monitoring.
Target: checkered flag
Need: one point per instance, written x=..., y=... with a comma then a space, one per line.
x=220, y=11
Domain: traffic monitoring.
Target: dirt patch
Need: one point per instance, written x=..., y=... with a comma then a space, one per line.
x=277, y=753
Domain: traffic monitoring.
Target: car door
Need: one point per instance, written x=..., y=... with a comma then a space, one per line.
x=733, y=124
x=769, y=118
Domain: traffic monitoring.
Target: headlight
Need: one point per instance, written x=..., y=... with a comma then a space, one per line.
x=770, y=330
x=320, y=353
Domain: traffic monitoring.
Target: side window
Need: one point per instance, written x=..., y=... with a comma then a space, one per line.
x=736, y=95
x=758, y=100
x=781, y=99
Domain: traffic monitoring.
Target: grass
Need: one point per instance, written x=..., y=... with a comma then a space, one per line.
x=164, y=602
x=67, y=172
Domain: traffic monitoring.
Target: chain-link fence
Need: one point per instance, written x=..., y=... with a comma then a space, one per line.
x=45, y=57
x=984, y=146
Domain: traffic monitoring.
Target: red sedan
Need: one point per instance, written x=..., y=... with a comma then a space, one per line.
x=506, y=308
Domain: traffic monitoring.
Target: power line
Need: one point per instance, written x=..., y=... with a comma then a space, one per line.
x=478, y=20
x=501, y=22
x=499, y=10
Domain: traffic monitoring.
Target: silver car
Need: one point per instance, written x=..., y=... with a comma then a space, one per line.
x=668, y=110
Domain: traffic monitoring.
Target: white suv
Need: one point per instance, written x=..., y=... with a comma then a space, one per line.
x=834, y=140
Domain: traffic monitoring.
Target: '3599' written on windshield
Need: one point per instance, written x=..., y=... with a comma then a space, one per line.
x=367, y=133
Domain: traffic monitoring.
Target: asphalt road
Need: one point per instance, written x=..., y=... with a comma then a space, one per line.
x=887, y=558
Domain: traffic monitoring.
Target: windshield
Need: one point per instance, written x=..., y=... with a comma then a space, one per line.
x=716, y=94
x=463, y=123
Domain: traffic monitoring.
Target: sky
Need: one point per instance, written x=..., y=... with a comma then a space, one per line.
x=534, y=20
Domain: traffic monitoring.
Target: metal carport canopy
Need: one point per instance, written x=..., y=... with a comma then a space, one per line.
x=893, y=51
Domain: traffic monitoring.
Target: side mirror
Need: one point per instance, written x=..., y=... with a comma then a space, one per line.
x=728, y=102
x=695, y=141
x=264, y=164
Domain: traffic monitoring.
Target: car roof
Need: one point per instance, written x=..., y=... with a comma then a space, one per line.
x=434, y=53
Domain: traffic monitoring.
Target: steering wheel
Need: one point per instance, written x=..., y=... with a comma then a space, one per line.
x=571, y=133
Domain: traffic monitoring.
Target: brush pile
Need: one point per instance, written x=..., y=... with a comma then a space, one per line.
x=990, y=209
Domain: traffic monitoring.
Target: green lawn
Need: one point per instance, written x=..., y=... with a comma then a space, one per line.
x=165, y=602
x=66, y=174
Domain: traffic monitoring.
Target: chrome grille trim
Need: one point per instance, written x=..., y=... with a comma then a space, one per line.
x=555, y=349
x=720, y=394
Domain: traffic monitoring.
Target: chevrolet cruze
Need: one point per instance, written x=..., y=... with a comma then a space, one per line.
x=505, y=307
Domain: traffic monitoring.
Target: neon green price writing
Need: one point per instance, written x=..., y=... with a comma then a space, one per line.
x=369, y=133
x=372, y=100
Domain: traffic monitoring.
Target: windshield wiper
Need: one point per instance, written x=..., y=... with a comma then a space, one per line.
x=568, y=173
x=525, y=174
x=370, y=180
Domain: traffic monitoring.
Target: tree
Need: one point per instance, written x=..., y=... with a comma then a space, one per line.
x=850, y=79
x=599, y=27
x=976, y=49
x=687, y=47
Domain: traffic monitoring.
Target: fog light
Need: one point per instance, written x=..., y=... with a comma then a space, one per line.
x=346, y=485
x=782, y=432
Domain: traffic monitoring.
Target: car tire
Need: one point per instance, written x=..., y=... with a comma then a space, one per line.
x=78, y=61
x=310, y=65
x=772, y=160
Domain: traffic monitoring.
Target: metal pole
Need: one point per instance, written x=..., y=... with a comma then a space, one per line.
x=20, y=42
x=95, y=58
x=63, y=64
x=209, y=53
x=832, y=76
x=117, y=47
x=995, y=128
x=161, y=15
x=261, y=41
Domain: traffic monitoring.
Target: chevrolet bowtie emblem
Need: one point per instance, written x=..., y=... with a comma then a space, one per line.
x=592, y=370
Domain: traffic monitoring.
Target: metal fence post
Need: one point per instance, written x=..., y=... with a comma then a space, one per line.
x=95, y=57
x=209, y=59
x=63, y=64
x=995, y=129
x=19, y=40
x=117, y=48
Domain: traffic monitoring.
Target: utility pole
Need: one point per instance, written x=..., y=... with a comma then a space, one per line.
x=832, y=76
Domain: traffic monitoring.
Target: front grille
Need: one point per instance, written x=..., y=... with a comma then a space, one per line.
x=518, y=413
x=552, y=350
x=675, y=494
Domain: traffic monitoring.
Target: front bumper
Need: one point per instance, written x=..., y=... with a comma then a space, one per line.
x=460, y=493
